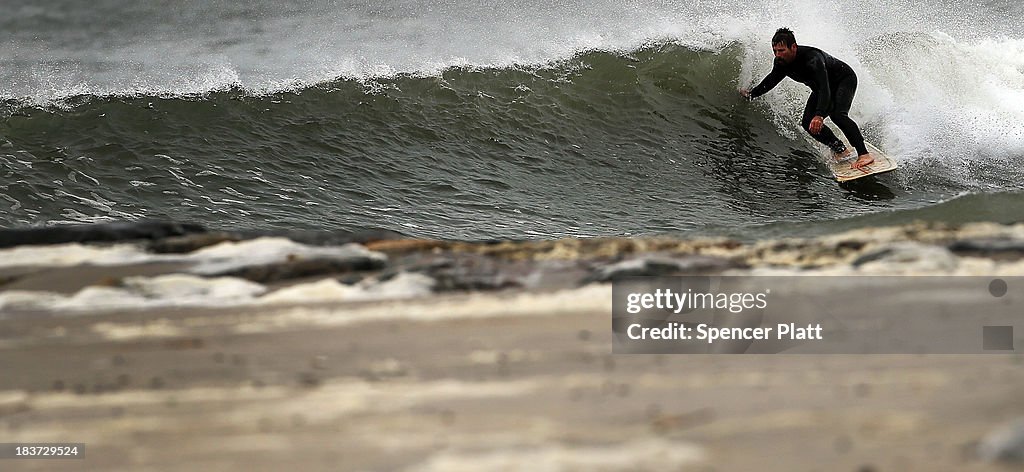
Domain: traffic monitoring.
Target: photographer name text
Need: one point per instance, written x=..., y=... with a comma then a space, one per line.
x=710, y=334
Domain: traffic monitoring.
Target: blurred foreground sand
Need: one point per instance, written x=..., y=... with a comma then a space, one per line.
x=532, y=386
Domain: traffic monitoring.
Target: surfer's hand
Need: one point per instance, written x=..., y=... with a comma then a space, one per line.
x=745, y=93
x=816, y=123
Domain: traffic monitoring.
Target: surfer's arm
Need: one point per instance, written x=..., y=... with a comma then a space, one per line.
x=768, y=83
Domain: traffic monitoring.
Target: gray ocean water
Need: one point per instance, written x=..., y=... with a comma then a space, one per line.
x=483, y=120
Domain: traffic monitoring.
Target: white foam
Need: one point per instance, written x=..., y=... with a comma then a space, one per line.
x=178, y=290
x=381, y=39
x=403, y=285
x=65, y=255
x=139, y=293
x=191, y=288
x=223, y=257
x=230, y=256
x=953, y=103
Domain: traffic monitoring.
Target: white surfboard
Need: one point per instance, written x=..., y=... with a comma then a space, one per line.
x=843, y=171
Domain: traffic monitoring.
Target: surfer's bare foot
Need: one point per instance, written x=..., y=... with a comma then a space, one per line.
x=863, y=160
x=842, y=156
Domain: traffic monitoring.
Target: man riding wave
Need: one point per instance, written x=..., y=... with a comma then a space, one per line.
x=833, y=84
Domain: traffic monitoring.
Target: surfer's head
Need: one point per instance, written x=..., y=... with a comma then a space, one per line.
x=784, y=45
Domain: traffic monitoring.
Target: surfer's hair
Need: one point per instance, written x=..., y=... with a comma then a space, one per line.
x=784, y=36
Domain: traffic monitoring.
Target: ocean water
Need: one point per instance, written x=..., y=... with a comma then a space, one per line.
x=467, y=119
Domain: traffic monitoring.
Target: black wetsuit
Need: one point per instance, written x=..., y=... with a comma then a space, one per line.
x=832, y=83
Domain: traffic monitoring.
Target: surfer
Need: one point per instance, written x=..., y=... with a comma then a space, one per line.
x=832, y=83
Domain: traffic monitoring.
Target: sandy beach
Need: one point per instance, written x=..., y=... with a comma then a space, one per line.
x=515, y=378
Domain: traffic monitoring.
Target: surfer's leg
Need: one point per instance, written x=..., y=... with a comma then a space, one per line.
x=825, y=136
x=842, y=100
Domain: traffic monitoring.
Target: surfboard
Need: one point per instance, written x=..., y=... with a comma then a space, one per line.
x=843, y=171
